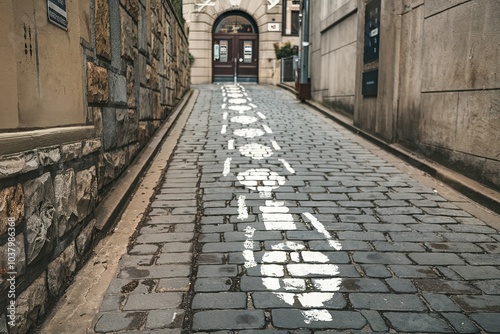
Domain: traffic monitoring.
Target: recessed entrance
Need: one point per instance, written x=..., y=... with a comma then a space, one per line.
x=235, y=48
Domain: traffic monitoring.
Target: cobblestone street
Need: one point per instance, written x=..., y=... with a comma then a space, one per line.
x=272, y=219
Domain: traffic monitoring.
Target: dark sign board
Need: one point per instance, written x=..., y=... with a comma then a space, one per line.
x=370, y=83
x=372, y=31
x=57, y=13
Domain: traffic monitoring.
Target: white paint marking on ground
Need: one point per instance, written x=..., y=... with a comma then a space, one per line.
x=224, y=129
x=316, y=315
x=230, y=144
x=224, y=115
x=307, y=269
x=249, y=99
x=253, y=106
x=295, y=256
x=289, y=284
x=272, y=270
x=242, y=208
x=307, y=299
x=280, y=226
x=267, y=129
x=248, y=252
x=321, y=229
x=265, y=209
x=237, y=101
x=261, y=115
x=249, y=133
x=287, y=166
x=327, y=284
x=227, y=166
x=223, y=106
x=224, y=99
x=265, y=194
x=288, y=245
x=244, y=119
x=314, y=257
x=275, y=145
x=245, y=94
x=256, y=151
x=274, y=257
x=240, y=108
x=261, y=179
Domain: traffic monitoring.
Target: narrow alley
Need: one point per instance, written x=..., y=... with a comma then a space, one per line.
x=273, y=219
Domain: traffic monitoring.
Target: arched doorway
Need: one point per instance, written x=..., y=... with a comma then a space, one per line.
x=235, y=48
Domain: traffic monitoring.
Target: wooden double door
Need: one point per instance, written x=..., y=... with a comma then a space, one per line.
x=235, y=54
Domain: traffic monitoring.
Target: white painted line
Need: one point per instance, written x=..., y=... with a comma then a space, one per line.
x=327, y=284
x=253, y=105
x=245, y=93
x=230, y=144
x=272, y=270
x=288, y=245
x=267, y=129
x=248, y=252
x=314, y=257
x=316, y=315
x=261, y=115
x=224, y=115
x=227, y=166
x=287, y=166
x=265, y=209
x=280, y=226
x=289, y=284
x=295, y=257
x=249, y=99
x=224, y=99
x=223, y=106
x=224, y=129
x=277, y=217
x=321, y=229
x=275, y=145
x=242, y=208
x=307, y=269
x=274, y=257
x=265, y=194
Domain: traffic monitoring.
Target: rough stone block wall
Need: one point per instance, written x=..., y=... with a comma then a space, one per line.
x=137, y=70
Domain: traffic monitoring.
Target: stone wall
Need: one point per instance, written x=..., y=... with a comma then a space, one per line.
x=438, y=77
x=136, y=70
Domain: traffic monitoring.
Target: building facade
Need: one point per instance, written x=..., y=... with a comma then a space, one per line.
x=423, y=74
x=235, y=38
x=84, y=85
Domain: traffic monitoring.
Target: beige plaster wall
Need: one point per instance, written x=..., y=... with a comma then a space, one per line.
x=49, y=79
x=333, y=53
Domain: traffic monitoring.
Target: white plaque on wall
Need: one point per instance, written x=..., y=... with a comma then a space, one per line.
x=273, y=27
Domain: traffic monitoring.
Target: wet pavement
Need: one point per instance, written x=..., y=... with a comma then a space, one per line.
x=271, y=219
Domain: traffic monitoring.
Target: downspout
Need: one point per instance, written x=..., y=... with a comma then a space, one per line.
x=304, y=91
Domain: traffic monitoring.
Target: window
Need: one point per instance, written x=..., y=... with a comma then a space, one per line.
x=234, y=24
x=295, y=22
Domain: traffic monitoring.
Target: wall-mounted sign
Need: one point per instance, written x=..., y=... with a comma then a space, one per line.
x=216, y=52
x=247, y=51
x=372, y=30
x=370, y=83
x=57, y=13
x=273, y=27
x=223, y=51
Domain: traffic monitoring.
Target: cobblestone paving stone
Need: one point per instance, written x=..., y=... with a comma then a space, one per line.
x=272, y=221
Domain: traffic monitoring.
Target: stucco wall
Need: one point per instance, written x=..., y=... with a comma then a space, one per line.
x=450, y=85
x=100, y=92
x=333, y=53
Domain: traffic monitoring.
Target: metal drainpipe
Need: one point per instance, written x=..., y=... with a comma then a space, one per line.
x=304, y=54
